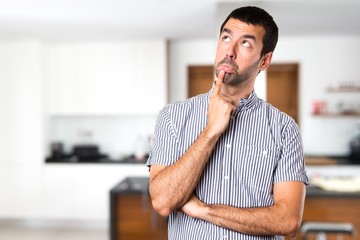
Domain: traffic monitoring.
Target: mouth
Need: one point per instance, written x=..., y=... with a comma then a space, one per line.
x=226, y=68
x=227, y=65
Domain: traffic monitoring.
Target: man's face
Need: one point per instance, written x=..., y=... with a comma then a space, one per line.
x=238, y=52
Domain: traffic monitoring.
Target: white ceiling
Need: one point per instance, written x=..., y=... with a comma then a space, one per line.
x=170, y=19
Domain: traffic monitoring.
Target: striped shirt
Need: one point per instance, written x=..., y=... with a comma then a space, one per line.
x=260, y=147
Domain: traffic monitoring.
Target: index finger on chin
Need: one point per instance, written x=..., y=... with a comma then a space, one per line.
x=219, y=82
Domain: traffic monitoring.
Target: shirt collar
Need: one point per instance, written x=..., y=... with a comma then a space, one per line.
x=245, y=103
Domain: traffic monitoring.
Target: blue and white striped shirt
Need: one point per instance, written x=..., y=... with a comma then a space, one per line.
x=260, y=147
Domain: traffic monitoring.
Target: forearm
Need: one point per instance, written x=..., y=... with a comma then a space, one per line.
x=172, y=186
x=282, y=218
x=273, y=220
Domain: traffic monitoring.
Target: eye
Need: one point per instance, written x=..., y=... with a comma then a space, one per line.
x=245, y=43
x=226, y=38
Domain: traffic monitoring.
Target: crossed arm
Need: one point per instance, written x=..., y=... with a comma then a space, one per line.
x=282, y=218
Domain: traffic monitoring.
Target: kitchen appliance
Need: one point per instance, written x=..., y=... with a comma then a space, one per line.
x=355, y=150
x=57, y=153
x=87, y=153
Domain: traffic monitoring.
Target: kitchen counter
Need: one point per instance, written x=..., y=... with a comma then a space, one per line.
x=133, y=185
x=331, y=206
x=312, y=191
x=74, y=160
x=320, y=205
x=131, y=212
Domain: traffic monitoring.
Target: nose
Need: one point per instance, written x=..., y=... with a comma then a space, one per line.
x=231, y=51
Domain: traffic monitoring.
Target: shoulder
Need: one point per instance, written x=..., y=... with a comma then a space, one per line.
x=187, y=105
x=277, y=116
x=182, y=113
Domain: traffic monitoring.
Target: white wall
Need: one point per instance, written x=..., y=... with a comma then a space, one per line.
x=323, y=61
x=181, y=55
x=29, y=188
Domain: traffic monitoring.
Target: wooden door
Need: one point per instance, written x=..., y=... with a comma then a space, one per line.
x=200, y=79
x=282, y=88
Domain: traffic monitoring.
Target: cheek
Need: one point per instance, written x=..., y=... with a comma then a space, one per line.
x=218, y=56
x=220, y=53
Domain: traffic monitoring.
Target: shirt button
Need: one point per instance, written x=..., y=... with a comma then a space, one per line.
x=226, y=177
x=264, y=152
x=225, y=237
x=228, y=145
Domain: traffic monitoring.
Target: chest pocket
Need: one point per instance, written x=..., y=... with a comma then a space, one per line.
x=256, y=166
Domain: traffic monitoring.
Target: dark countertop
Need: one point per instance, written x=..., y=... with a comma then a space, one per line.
x=131, y=185
x=136, y=185
x=318, y=192
x=74, y=160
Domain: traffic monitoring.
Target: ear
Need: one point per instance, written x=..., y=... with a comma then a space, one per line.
x=265, y=62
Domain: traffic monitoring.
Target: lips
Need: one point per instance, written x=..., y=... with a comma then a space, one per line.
x=226, y=69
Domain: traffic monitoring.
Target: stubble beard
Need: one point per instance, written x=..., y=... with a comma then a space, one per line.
x=237, y=78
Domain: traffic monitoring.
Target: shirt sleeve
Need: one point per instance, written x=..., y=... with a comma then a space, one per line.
x=164, y=141
x=291, y=166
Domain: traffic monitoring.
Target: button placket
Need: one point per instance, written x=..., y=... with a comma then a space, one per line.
x=226, y=171
x=227, y=161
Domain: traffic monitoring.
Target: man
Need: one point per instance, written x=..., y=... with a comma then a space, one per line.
x=225, y=164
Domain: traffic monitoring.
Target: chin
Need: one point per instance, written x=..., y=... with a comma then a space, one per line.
x=229, y=79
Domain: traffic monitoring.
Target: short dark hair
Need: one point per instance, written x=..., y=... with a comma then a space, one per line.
x=257, y=16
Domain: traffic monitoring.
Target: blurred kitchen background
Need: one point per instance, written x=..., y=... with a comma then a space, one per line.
x=82, y=82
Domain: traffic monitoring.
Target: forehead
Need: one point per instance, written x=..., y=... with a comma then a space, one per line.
x=237, y=27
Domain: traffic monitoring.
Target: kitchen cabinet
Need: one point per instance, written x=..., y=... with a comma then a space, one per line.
x=328, y=206
x=21, y=103
x=80, y=192
x=106, y=78
x=55, y=193
x=131, y=214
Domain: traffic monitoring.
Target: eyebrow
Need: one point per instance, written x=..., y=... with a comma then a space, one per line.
x=248, y=36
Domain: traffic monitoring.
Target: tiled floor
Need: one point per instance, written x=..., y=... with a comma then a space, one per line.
x=16, y=231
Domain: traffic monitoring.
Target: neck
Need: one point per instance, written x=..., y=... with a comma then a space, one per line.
x=237, y=92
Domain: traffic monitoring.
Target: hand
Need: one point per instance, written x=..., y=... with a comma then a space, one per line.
x=193, y=207
x=220, y=108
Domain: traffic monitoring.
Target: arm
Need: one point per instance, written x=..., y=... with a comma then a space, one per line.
x=282, y=218
x=171, y=186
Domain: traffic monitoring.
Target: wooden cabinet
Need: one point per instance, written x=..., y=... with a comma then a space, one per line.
x=326, y=206
x=131, y=214
x=135, y=219
x=106, y=78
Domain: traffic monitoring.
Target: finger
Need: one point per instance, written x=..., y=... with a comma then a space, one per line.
x=231, y=101
x=219, y=82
